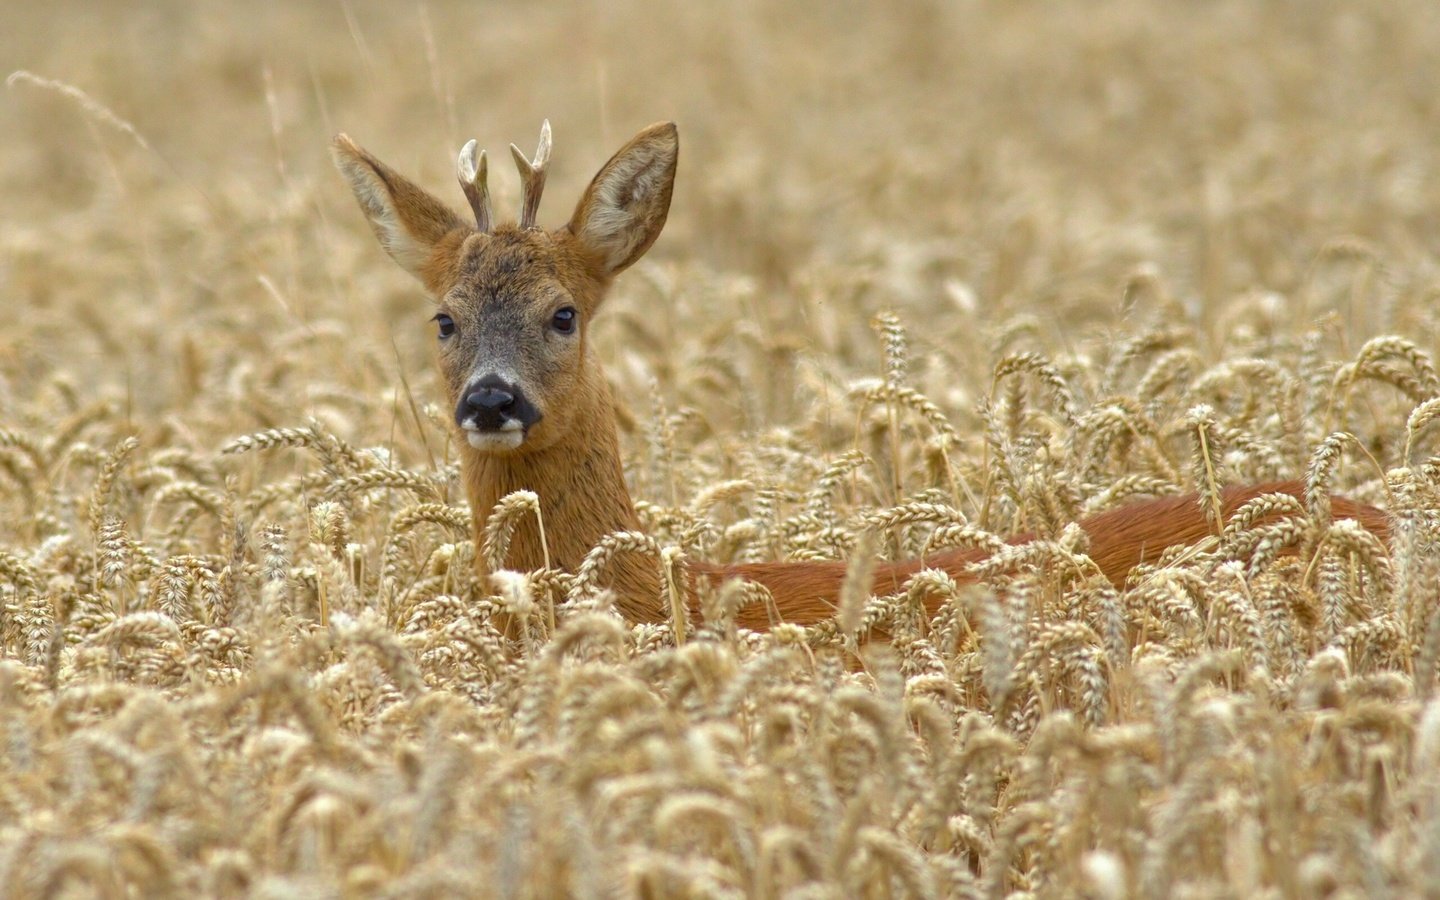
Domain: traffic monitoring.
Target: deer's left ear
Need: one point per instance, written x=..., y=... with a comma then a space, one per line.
x=624, y=209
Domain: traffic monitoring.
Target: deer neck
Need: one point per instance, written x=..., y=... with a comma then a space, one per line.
x=583, y=497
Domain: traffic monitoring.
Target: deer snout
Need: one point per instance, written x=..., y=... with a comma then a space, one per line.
x=491, y=399
x=492, y=404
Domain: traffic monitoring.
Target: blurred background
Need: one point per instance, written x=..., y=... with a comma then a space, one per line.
x=1083, y=169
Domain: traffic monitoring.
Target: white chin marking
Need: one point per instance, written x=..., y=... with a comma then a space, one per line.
x=495, y=440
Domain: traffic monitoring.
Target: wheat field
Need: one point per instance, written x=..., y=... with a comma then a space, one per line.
x=934, y=273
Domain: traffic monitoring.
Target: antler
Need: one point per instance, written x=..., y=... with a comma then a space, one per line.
x=532, y=176
x=472, y=181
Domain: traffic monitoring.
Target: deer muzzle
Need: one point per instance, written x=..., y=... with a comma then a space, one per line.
x=494, y=414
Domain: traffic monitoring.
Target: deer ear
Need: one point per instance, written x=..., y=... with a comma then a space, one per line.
x=409, y=221
x=624, y=208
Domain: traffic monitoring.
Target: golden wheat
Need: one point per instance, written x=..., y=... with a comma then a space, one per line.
x=931, y=279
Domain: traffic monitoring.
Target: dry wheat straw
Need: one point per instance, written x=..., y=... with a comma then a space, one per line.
x=281, y=674
x=504, y=519
x=89, y=105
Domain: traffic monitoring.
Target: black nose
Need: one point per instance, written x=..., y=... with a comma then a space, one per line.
x=489, y=398
x=492, y=403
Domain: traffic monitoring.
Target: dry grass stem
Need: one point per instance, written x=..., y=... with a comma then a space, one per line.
x=935, y=276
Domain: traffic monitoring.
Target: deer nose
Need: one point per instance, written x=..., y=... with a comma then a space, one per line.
x=493, y=403
x=490, y=399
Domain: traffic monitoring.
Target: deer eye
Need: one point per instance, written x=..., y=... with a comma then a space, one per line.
x=447, y=325
x=564, y=320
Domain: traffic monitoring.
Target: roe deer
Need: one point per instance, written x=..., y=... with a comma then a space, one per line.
x=515, y=303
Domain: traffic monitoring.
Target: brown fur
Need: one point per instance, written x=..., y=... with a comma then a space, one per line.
x=502, y=287
x=1120, y=540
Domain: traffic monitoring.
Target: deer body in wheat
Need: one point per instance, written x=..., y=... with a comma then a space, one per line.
x=531, y=401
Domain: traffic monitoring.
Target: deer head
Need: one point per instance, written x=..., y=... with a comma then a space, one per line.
x=515, y=300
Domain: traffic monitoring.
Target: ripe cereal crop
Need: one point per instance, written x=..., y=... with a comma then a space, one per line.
x=933, y=276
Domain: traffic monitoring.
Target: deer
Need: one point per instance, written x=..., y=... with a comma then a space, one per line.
x=534, y=409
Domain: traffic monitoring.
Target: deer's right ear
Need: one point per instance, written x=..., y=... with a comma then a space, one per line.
x=625, y=207
x=409, y=221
